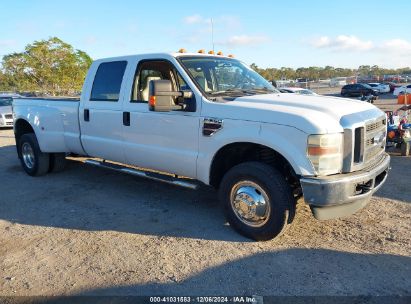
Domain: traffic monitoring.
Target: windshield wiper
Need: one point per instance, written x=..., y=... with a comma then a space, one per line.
x=229, y=92
x=252, y=91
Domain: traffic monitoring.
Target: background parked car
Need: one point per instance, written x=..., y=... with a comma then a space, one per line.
x=393, y=86
x=381, y=87
x=358, y=89
x=338, y=81
x=6, y=114
x=402, y=90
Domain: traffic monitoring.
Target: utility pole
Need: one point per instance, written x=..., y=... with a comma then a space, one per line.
x=212, y=34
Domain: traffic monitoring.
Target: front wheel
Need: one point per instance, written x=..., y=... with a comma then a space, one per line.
x=257, y=200
x=34, y=162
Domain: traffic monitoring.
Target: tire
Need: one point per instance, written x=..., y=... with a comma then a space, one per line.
x=263, y=181
x=57, y=162
x=34, y=162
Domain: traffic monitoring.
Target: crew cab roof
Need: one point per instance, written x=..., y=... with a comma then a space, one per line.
x=159, y=55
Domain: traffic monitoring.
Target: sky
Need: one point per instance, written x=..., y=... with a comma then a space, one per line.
x=293, y=33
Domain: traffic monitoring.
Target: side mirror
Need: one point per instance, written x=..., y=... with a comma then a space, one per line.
x=161, y=96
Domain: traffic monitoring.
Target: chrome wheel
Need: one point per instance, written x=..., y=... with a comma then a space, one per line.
x=28, y=155
x=250, y=203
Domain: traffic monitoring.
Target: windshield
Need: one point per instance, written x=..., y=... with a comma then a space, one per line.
x=218, y=77
x=6, y=102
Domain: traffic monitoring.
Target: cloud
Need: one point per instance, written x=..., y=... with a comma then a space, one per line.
x=353, y=43
x=342, y=43
x=61, y=24
x=132, y=27
x=399, y=46
x=394, y=52
x=195, y=19
x=7, y=43
x=245, y=40
x=224, y=21
x=90, y=40
x=200, y=28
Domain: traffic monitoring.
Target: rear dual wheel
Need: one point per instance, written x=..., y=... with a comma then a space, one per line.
x=35, y=162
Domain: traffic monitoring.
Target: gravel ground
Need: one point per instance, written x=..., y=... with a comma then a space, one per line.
x=88, y=231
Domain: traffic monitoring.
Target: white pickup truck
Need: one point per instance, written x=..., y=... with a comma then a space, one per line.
x=200, y=118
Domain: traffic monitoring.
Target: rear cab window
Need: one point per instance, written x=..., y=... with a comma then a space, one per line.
x=107, y=81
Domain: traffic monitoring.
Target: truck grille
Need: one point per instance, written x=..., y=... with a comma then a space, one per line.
x=375, y=125
x=8, y=116
x=375, y=136
x=363, y=144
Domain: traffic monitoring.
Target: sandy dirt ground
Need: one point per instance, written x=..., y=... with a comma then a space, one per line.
x=88, y=231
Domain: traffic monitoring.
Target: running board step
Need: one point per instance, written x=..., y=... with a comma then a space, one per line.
x=146, y=174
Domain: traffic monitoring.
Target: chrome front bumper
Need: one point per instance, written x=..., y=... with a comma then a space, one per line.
x=343, y=194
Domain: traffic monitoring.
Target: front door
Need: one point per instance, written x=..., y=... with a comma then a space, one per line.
x=165, y=141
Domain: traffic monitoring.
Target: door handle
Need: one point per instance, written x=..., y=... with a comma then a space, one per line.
x=126, y=118
x=86, y=115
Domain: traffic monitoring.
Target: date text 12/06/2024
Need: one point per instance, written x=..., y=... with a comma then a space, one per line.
x=209, y=299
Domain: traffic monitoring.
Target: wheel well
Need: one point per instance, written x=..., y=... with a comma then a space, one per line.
x=236, y=153
x=21, y=127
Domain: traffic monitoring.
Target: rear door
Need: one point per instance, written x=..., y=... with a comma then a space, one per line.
x=164, y=141
x=358, y=90
x=101, y=112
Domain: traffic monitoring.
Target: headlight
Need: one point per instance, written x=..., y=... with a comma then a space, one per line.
x=326, y=153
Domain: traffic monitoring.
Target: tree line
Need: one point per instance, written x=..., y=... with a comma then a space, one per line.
x=317, y=73
x=47, y=66
x=54, y=67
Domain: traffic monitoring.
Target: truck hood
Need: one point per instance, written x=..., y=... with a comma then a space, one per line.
x=5, y=110
x=309, y=113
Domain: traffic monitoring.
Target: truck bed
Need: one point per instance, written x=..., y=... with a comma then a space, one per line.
x=57, y=119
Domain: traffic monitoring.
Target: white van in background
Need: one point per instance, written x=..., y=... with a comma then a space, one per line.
x=338, y=81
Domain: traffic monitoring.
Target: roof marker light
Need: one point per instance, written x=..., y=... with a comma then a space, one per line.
x=182, y=50
x=202, y=51
x=211, y=52
x=220, y=53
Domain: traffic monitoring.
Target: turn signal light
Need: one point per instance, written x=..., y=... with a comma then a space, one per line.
x=152, y=101
x=322, y=150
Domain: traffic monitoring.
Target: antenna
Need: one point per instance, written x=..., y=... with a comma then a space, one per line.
x=212, y=33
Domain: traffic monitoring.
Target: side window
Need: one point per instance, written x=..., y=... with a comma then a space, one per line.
x=154, y=70
x=107, y=81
